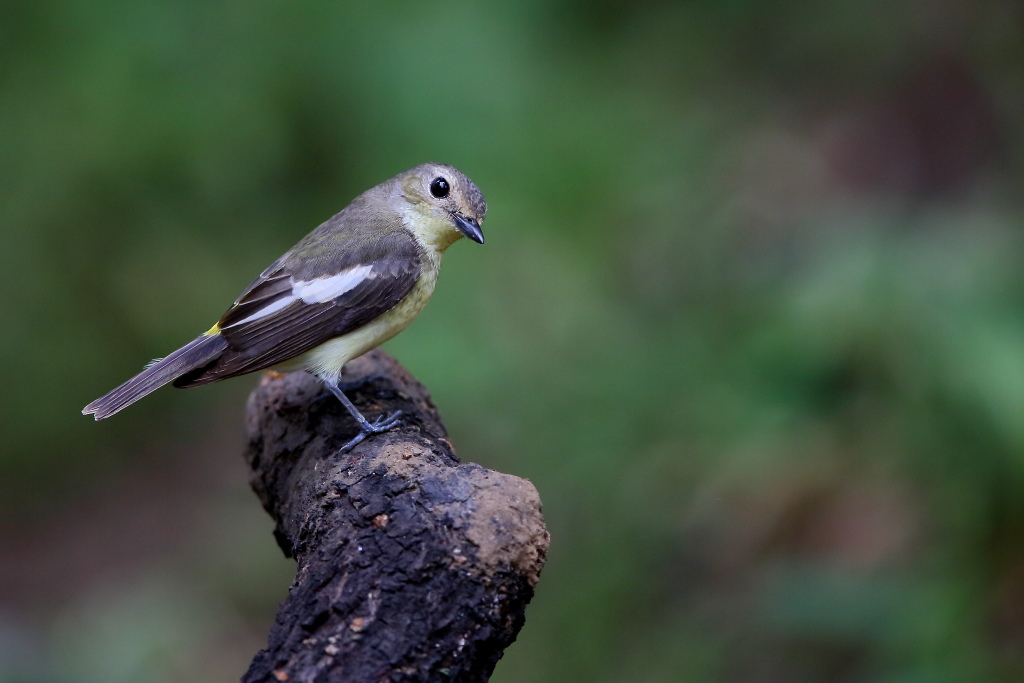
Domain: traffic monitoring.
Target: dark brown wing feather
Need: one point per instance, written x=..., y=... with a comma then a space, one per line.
x=394, y=260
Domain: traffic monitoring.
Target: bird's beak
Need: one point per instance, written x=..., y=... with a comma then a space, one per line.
x=468, y=227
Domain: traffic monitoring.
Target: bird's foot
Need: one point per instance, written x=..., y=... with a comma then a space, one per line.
x=386, y=422
x=381, y=424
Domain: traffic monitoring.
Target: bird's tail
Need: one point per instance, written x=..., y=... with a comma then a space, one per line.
x=195, y=354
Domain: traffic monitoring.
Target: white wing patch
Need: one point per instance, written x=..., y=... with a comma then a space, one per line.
x=324, y=289
x=317, y=291
x=265, y=311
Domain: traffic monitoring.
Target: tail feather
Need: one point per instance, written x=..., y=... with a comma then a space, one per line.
x=195, y=354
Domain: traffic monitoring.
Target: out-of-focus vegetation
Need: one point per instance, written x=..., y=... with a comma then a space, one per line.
x=750, y=315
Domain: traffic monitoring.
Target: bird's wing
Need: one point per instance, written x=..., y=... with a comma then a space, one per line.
x=299, y=303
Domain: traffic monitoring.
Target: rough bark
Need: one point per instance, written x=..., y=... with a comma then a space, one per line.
x=412, y=566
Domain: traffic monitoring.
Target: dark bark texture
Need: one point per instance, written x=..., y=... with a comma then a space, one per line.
x=412, y=566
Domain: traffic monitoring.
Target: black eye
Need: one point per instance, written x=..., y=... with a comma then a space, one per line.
x=440, y=188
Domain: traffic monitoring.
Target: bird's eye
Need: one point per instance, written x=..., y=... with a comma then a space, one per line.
x=440, y=188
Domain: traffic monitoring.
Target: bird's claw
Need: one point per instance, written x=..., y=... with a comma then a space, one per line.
x=358, y=439
x=381, y=424
x=386, y=422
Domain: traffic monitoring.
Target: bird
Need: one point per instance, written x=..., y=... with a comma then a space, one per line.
x=347, y=287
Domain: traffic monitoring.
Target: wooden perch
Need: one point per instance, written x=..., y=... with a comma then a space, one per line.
x=411, y=566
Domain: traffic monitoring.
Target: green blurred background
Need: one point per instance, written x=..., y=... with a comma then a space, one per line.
x=750, y=315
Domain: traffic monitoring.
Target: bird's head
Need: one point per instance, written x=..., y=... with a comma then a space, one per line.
x=443, y=204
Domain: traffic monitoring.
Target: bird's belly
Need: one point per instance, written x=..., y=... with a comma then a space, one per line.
x=327, y=359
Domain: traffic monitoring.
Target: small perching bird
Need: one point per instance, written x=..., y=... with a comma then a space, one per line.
x=347, y=287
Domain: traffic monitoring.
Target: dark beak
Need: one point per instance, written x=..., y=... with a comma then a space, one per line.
x=468, y=227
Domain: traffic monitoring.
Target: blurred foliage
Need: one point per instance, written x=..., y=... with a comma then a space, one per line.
x=750, y=315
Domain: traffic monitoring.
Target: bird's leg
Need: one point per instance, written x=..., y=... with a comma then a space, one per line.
x=354, y=385
x=366, y=428
x=361, y=382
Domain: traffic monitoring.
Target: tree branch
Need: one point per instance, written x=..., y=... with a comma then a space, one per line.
x=411, y=566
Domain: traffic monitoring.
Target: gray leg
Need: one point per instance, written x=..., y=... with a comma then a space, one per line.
x=366, y=428
x=353, y=385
